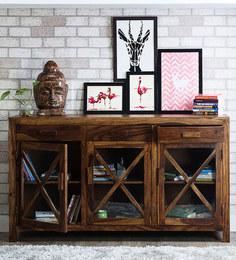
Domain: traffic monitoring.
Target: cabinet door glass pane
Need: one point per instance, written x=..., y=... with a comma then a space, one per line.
x=189, y=177
x=118, y=183
x=74, y=183
x=41, y=173
x=43, y=189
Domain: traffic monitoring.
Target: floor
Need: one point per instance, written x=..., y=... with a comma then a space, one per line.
x=200, y=239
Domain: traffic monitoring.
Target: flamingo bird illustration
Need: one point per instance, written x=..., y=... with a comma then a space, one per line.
x=92, y=100
x=141, y=90
x=110, y=96
x=103, y=96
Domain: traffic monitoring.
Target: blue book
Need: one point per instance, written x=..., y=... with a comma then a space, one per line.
x=27, y=167
x=207, y=172
x=26, y=172
x=31, y=176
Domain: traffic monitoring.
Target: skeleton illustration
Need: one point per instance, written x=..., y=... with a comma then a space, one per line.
x=134, y=48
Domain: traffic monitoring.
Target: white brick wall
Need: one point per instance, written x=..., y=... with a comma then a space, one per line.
x=79, y=40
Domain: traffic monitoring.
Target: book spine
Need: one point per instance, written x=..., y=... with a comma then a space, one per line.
x=205, y=110
x=207, y=171
x=205, y=113
x=70, y=206
x=205, y=97
x=77, y=211
x=206, y=101
x=28, y=171
x=203, y=107
x=73, y=208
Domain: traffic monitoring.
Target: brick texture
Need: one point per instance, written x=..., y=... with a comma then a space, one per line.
x=80, y=41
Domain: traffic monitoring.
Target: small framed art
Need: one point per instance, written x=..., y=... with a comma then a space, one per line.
x=135, y=45
x=180, y=79
x=141, y=92
x=103, y=98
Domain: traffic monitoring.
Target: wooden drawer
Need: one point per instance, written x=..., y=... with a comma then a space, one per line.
x=119, y=133
x=49, y=133
x=191, y=134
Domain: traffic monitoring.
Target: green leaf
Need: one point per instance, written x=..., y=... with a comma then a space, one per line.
x=22, y=91
x=5, y=95
x=35, y=83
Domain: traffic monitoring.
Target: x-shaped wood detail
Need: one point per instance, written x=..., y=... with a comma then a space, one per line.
x=40, y=186
x=189, y=182
x=119, y=182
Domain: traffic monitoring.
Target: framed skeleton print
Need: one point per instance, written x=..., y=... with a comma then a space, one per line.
x=180, y=79
x=135, y=45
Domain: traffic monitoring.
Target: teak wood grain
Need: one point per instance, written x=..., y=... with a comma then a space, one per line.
x=152, y=135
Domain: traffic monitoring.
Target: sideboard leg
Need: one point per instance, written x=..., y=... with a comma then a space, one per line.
x=13, y=235
x=226, y=235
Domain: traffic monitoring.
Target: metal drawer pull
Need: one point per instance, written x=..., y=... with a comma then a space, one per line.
x=191, y=135
x=48, y=132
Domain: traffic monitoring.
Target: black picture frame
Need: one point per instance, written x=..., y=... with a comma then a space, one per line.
x=88, y=85
x=128, y=94
x=159, y=76
x=116, y=20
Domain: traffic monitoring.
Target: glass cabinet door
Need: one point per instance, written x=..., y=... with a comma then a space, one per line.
x=44, y=185
x=116, y=180
x=189, y=177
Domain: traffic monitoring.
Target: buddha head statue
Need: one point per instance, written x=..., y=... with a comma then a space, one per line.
x=50, y=90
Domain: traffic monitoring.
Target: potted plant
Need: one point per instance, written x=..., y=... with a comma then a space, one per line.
x=23, y=96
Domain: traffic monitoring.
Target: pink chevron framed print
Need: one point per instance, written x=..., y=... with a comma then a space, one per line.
x=141, y=89
x=180, y=79
x=135, y=45
x=103, y=98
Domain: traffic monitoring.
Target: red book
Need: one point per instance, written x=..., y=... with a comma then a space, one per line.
x=205, y=97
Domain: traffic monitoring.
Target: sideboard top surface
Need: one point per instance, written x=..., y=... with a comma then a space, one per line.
x=121, y=120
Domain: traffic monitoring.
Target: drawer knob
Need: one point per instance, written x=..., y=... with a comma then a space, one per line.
x=191, y=135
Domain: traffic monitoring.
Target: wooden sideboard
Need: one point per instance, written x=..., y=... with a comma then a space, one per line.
x=119, y=173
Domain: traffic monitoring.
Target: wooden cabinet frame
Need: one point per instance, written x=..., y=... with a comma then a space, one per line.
x=152, y=134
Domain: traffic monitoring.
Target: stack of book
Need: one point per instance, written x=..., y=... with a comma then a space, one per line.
x=101, y=174
x=27, y=172
x=189, y=211
x=74, y=209
x=171, y=176
x=52, y=177
x=205, y=105
x=45, y=216
x=207, y=174
x=119, y=209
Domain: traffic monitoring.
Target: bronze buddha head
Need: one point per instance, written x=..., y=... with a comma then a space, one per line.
x=51, y=89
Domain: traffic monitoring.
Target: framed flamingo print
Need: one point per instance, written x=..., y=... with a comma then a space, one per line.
x=141, y=92
x=180, y=79
x=103, y=98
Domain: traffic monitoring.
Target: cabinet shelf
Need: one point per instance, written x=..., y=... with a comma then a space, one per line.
x=112, y=182
x=50, y=182
x=196, y=182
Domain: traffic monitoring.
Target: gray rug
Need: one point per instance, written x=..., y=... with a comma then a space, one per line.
x=59, y=252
